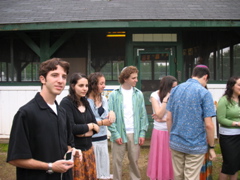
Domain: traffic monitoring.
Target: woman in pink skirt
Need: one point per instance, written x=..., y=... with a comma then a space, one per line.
x=160, y=161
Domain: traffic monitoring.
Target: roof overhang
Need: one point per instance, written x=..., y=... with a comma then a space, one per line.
x=121, y=24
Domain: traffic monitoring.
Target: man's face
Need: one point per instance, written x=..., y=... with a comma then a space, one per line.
x=55, y=81
x=132, y=80
x=205, y=80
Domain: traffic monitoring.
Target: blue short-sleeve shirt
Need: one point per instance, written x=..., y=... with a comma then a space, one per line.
x=189, y=104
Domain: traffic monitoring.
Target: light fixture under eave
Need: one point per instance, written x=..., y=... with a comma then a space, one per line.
x=116, y=35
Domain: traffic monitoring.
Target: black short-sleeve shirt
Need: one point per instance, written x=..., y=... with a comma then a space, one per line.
x=38, y=133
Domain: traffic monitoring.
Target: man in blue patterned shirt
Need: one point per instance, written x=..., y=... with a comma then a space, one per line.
x=189, y=119
x=129, y=129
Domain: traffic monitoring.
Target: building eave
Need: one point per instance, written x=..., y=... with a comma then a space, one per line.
x=120, y=24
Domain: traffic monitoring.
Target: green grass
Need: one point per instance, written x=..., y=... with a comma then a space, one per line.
x=3, y=147
x=217, y=149
x=8, y=171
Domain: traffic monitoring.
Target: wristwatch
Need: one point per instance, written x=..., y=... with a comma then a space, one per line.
x=211, y=147
x=50, y=170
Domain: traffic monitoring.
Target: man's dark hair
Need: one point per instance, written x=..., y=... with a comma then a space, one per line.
x=51, y=65
x=200, y=71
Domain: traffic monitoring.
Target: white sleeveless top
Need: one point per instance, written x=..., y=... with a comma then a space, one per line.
x=159, y=125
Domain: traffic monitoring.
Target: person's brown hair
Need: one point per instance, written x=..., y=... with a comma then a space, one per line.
x=165, y=87
x=229, y=88
x=51, y=65
x=126, y=73
x=93, y=80
x=200, y=71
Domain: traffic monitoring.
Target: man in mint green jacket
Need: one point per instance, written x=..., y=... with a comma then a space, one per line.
x=129, y=129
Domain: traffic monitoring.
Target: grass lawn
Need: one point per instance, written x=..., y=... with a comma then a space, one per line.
x=7, y=171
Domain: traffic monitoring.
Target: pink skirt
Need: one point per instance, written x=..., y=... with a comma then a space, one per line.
x=160, y=160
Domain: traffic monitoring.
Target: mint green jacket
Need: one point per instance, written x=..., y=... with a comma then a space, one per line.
x=117, y=129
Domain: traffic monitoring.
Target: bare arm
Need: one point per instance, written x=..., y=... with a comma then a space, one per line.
x=111, y=116
x=169, y=121
x=104, y=122
x=108, y=121
x=159, y=110
x=210, y=135
x=210, y=130
x=60, y=166
x=95, y=127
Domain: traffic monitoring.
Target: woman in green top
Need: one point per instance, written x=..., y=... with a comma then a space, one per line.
x=228, y=115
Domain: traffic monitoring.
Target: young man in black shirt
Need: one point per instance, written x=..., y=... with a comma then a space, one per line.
x=41, y=133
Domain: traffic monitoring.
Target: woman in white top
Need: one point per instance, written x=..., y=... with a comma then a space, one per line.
x=160, y=162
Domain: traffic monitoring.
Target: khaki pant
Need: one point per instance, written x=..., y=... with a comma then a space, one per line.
x=186, y=166
x=118, y=152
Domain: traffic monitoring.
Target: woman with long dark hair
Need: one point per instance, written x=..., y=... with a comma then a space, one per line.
x=228, y=116
x=160, y=161
x=99, y=106
x=83, y=123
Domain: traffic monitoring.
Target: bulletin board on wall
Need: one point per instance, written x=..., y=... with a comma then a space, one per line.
x=108, y=90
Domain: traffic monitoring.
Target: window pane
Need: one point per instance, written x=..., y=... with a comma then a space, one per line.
x=3, y=70
x=154, y=66
x=219, y=61
x=117, y=68
x=146, y=73
x=225, y=56
x=236, y=59
x=211, y=65
x=35, y=71
x=112, y=69
x=12, y=76
x=161, y=69
x=30, y=72
x=107, y=71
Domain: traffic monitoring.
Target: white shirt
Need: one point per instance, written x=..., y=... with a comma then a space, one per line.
x=159, y=125
x=53, y=107
x=228, y=131
x=128, y=110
